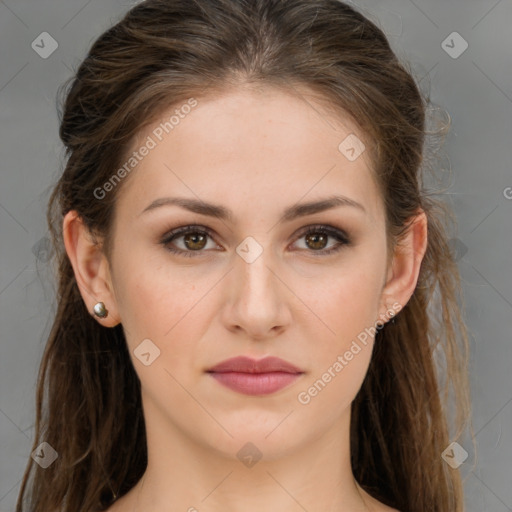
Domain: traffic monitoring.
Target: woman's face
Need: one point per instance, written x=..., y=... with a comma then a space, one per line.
x=256, y=284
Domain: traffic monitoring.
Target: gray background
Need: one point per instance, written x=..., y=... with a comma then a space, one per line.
x=474, y=87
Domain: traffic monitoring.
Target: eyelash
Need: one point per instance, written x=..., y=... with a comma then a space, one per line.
x=343, y=239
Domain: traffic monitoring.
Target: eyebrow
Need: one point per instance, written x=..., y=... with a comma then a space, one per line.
x=223, y=213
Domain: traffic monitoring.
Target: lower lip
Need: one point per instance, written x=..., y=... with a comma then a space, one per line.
x=255, y=383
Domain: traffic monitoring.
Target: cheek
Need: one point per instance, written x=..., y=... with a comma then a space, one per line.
x=349, y=307
x=330, y=391
x=348, y=301
x=173, y=309
x=153, y=300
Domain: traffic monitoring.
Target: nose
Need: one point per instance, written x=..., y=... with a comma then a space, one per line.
x=257, y=298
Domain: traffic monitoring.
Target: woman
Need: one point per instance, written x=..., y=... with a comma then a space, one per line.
x=254, y=286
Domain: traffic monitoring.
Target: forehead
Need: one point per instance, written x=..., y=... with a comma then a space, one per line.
x=253, y=148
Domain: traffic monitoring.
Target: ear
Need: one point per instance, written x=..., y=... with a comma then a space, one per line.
x=404, y=268
x=91, y=268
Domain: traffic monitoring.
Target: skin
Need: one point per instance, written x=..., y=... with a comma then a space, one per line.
x=255, y=152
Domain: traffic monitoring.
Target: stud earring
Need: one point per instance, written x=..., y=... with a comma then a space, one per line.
x=100, y=310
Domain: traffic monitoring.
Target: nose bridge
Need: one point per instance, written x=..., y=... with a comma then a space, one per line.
x=255, y=258
x=257, y=301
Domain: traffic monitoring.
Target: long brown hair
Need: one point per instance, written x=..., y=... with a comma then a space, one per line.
x=164, y=52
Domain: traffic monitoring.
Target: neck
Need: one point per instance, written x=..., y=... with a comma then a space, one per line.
x=228, y=475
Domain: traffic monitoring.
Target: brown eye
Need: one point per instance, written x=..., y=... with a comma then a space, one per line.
x=195, y=241
x=186, y=241
x=316, y=241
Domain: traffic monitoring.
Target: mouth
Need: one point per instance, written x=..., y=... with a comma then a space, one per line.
x=255, y=377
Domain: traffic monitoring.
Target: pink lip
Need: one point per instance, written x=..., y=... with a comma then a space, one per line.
x=255, y=377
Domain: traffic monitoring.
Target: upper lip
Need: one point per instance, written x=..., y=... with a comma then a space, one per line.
x=243, y=364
